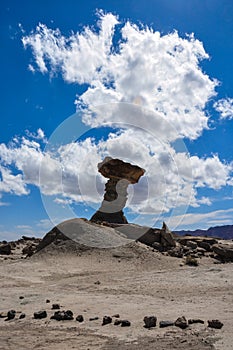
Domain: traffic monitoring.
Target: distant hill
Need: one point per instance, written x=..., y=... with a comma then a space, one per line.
x=223, y=232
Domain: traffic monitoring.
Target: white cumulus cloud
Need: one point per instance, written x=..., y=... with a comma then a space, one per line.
x=225, y=108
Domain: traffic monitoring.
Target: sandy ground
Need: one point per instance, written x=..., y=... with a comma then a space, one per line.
x=132, y=282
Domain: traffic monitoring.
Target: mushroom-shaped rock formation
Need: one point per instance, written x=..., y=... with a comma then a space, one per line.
x=120, y=175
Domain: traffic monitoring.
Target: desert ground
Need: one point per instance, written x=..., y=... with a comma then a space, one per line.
x=133, y=281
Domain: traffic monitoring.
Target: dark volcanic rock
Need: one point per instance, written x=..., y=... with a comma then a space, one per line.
x=10, y=315
x=55, y=306
x=62, y=316
x=94, y=318
x=150, y=321
x=5, y=249
x=117, y=322
x=21, y=316
x=29, y=249
x=106, y=320
x=181, y=322
x=215, y=324
x=167, y=239
x=40, y=314
x=163, y=324
x=224, y=251
x=80, y=318
x=125, y=323
x=195, y=320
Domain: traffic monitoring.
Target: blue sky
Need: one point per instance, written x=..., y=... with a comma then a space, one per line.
x=194, y=97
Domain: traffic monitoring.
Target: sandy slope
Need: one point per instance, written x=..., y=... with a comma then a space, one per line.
x=134, y=282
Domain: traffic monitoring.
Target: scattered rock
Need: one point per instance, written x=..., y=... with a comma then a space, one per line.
x=80, y=318
x=117, y=322
x=55, y=306
x=163, y=324
x=21, y=297
x=93, y=318
x=191, y=244
x=224, y=251
x=10, y=315
x=97, y=282
x=215, y=324
x=125, y=323
x=5, y=249
x=150, y=321
x=205, y=245
x=191, y=261
x=116, y=315
x=62, y=316
x=181, y=322
x=29, y=250
x=47, y=301
x=106, y=320
x=195, y=320
x=40, y=314
x=22, y=316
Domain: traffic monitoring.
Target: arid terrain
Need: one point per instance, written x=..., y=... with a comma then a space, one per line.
x=133, y=281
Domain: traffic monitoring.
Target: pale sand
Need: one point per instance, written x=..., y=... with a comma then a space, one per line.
x=134, y=282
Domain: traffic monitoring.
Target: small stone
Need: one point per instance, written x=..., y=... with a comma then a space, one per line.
x=22, y=316
x=181, y=322
x=116, y=315
x=215, y=324
x=195, y=320
x=21, y=297
x=47, y=301
x=62, y=316
x=150, y=321
x=80, y=318
x=106, y=320
x=117, y=322
x=125, y=323
x=55, y=306
x=10, y=315
x=163, y=324
x=97, y=282
x=93, y=318
x=40, y=314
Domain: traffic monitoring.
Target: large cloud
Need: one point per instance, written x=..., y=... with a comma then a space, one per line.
x=151, y=88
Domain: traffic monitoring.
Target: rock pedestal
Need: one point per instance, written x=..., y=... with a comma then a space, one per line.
x=120, y=175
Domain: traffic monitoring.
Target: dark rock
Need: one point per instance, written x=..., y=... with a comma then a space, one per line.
x=47, y=301
x=10, y=315
x=21, y=297
x=224, y=251
x=116, y=315
x=152, y=237
x=62, y=316
x=191, y=244
x=80, y=318
x=106, y=320
x=125, y=323
x=40, y=314
x=22, y=316
x=93, y=318
x=157, y=246
x=215, y=324
x=5, y=249
x=150, y=321
x=195, y=320
x=29, y=249
x=97, y=282
x=117, y=322
x=163, y=324
x=205, y=245
x=181, y=322
x=55, y=306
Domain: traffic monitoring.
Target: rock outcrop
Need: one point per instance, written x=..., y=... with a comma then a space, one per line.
x=120, y=175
